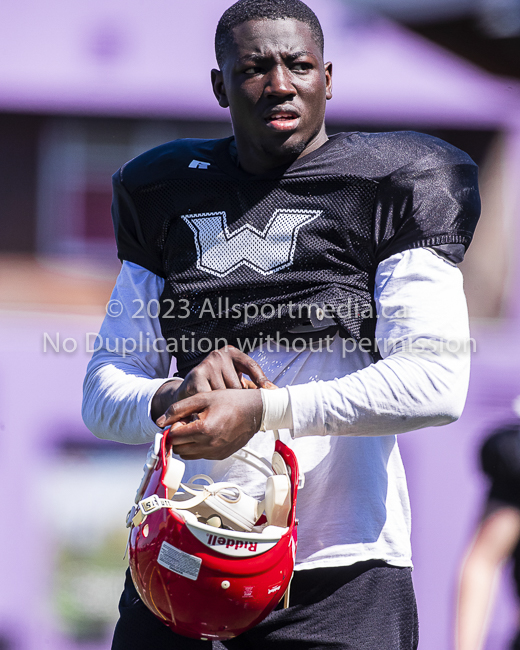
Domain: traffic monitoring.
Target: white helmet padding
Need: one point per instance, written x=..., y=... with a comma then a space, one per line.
x=223, y=504
x=235, y=509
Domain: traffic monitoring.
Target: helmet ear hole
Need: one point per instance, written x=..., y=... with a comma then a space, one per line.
x=278, y=500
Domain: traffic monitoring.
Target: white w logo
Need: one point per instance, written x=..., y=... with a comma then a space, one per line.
x=219, y=252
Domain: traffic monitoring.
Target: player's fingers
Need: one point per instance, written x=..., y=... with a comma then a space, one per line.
x=196, y=382
x=185, y=408
x=250, y=367
x=189, y=433
x=215, y=372
x=221, y=371
x=230, y=376
x=188, y=452
x=180, y=444
x=195, y=452
x=247, y=383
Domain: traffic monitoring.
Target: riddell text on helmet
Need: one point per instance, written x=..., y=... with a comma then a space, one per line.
x=213, y=540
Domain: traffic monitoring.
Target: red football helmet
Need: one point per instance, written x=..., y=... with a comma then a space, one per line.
x=207, y=559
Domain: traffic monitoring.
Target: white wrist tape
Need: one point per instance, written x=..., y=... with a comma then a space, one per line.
x=277, y=409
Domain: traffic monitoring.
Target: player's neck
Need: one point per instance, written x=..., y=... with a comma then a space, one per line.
x=258, y=162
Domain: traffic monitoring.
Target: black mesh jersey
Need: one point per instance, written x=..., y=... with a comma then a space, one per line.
x=243, y=254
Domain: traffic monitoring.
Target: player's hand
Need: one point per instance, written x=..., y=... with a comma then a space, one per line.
x=221, y=369
x=213, y=425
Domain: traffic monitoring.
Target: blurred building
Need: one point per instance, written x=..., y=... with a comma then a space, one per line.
x=85, y=87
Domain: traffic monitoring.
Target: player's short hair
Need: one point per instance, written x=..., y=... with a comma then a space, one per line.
x=245, y=10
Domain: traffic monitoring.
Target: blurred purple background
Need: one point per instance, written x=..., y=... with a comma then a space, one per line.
x=83, y=88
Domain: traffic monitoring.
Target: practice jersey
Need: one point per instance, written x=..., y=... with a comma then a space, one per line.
x=243, y=255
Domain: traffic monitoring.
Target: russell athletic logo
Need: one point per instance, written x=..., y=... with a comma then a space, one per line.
x=219, y=251
x=199, y=164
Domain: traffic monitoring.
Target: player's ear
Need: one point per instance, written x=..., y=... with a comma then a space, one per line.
x=217, y=81
x=328, y=78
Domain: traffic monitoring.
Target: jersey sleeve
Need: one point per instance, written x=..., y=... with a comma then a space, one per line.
x=131, y=242
x=430, y=202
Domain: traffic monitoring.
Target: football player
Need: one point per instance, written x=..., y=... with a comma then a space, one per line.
x=329, y=265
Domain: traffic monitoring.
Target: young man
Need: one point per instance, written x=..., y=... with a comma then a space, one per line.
x=303, y=250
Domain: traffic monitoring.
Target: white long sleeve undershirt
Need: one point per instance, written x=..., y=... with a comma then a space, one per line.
x=422, y=332
x=423, y=377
